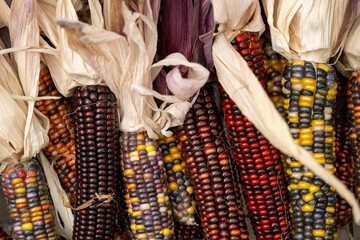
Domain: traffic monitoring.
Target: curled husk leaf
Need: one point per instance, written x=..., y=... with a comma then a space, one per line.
x=352, y=46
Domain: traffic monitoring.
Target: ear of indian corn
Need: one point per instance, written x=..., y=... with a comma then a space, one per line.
x=61, y=133
x=178, y=178
x=353, y=87
x=145, y=187
x=97, y=161
x=344, y=171
x=29, y=206
x=216, y=188
x=309, y=102
x=259, y=164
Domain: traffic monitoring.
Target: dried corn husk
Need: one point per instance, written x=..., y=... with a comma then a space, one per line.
x=125, y=63
x=244, y=88
x=311, y=30
x=22, y=80
x=352, y=46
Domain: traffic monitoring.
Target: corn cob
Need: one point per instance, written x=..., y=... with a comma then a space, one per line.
x=97, y=161
x=272, y=59
x=259, y=163
x=145, y=187
x=61, y=133
x=309, y=102
x=185, y=232
x=344, y=170
x=216, y=188
x=354, y=111
x=249, y=48
x=178, y=178
x=29, y=205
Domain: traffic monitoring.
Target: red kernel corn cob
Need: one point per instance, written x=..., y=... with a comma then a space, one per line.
x=216, y=188
x=61, y=133
x=178, y=178
x=145, y=187
x=344, y=170
x=259, y=163
x=30, y=209
x=97, y=161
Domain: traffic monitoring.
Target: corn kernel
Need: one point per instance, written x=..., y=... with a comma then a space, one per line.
x=19, y=180
x=140, y=147
x=137, y=213
x=27, y=226
x=328, y=140
x=307, y=208
x=177, y=168
x=20, y=190
x=139, y=227
x=303, y=185
x=135, y=199
x=308, y=197
x=190, y=210
x=141, y=236
x=170, y=139
x=129, y=172
x=294, y=186
x=165, y=231
x=317, y=122
x=295, y=164
x=328, y=128
x=190, y=189
x=172, y=186
x=324, y=67
x=134, y=154
x=161, y=200
x=131, y=186
x=295, y=81
x=330, y=209
x=306, y=142
x=168, y=159
x=332, y=92
x=294, y=119
x=133, y=226
x=313, y=188
x=152, y=154
x=176, y=156
x=150, y=148
x=329, y=221
x=319, y=233
x=299, y=62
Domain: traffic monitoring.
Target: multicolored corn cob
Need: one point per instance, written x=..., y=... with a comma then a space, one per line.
x=309, y=102
x=97, y=161
x=178, y=178
x=61, y=133
x=183, y=232
x=216, y=188
x=29, y=206
x=259, y=164
x=354, y=121
x=147, y=198
x=272, y=59
x=344, y=171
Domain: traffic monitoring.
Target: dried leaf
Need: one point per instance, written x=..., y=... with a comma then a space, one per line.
x=352, y=45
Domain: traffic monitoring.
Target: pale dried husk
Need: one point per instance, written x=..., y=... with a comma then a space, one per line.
x=352, y=46
x=22, y=80
x=310, y=30
x=245, y=90
x=125, y=63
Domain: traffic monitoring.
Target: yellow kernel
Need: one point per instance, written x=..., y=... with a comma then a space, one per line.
x=332, y=92
x=129, y=172
x=170, y=139
x=307, y=208
x=332, y=189
x=306, y=135
x=176, y=156
x=190, y=210
x=289, y=172
x=313, y=188
x=161, y=200
x=140, y=227
x=133, y=226
x=137, y=213
x=140, y=147
x=141, y=236
x=306, y=98
x=330, y=209
x=308, y=81
x=294, y=119
x=130, y=210
x=305, y=130
x=329, y=221
x=324, y=67
x=190, y=189
x=297, y=141
x=168, y=159
x=135, y=199
x=27, y=226
x=177, y=168
x=294, y=186
x=169, y=212
x=173, y=150
x=328, y=140
x=303, y=185
x=298, y=62
x=295, y=164
x=295, y=81
x=172, y=186
x=318, y=155
x=317, y=122
x=311, y=88
x=319, y=233
x=152, y=154
x=134, y=154
x=20, y=190
x=131, y=185
x=308, y=197
x=165, y=231
x=183, y=164
x=21, y=200
x=306, y=142
x=18, y=180
x=150, y=148
x=305, y=104
x=291, y=210
x=27, y=180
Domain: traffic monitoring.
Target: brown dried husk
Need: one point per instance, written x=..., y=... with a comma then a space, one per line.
x=245, y=90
